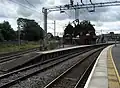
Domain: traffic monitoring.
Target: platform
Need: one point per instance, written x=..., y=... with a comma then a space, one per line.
x=6, y=66
x=30, y=57
x=116, y=56
x=104, y=73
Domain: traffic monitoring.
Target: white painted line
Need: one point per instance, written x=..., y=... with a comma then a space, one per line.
x=92, y=72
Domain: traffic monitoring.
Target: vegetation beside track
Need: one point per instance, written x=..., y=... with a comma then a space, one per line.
x=9, y=47
x=13, y=47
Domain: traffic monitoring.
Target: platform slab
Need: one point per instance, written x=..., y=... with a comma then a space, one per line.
x=116, y=56
x=104, y=73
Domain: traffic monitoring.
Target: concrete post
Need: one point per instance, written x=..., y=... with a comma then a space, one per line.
x=54, y=27
x=45, y=27
x=19, y=41
x=45, y=19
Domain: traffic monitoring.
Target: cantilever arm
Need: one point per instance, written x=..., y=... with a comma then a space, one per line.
x=91, y=2
x=82, y=2
x=93, y=10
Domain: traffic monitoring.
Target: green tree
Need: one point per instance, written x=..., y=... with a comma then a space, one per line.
x=49, y=35
x=87, y=27
x=1, y=36
x=77, y=30
x=69, y=30
x=30, y=29
x=81, y=28
x=7, y=31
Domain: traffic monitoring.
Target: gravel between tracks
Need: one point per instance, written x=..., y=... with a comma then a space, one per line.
x=70, y=79
x=43, y=78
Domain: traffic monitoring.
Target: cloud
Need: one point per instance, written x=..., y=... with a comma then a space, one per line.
x=11, y=21
x=31, y=2
x=100, y=14
x=103, y=18
x=82, y=14
x=26, y=8
x=24, y=11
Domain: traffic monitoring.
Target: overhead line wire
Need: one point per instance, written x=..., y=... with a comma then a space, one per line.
x=30, y=3
x=24, y=6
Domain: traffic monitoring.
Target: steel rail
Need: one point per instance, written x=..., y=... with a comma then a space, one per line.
x=35, y=72
x=2, y=56
x=34, y=65
x=87, y=71
x=50, y=85
x=42, y=56
x=16, y=55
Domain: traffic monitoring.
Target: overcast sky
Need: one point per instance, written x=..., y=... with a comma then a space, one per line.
x=106, y=19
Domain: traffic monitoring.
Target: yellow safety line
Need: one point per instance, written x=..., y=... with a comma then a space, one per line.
x=114, y=65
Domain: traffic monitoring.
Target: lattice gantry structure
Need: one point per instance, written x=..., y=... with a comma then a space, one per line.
x=78, y=5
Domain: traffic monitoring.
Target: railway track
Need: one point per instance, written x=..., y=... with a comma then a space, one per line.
x=75, y=76
x=15, y=55
x=11, y=78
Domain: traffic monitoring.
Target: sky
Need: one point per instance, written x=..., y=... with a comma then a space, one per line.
x=105, y=19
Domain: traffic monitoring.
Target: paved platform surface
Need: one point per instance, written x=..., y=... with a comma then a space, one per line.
x=104, y=73
x=116, y=56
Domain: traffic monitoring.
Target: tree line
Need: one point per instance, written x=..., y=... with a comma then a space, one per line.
x=29, y=30
x=6, y=32
x=77, y=28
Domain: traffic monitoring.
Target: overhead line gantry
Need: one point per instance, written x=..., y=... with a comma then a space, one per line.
x=73, y=6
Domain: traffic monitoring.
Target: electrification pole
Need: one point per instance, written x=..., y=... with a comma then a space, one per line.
x=45, y=19
x=54, y=28
x=19, y=41
x=45, y=27
x=71, y=6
